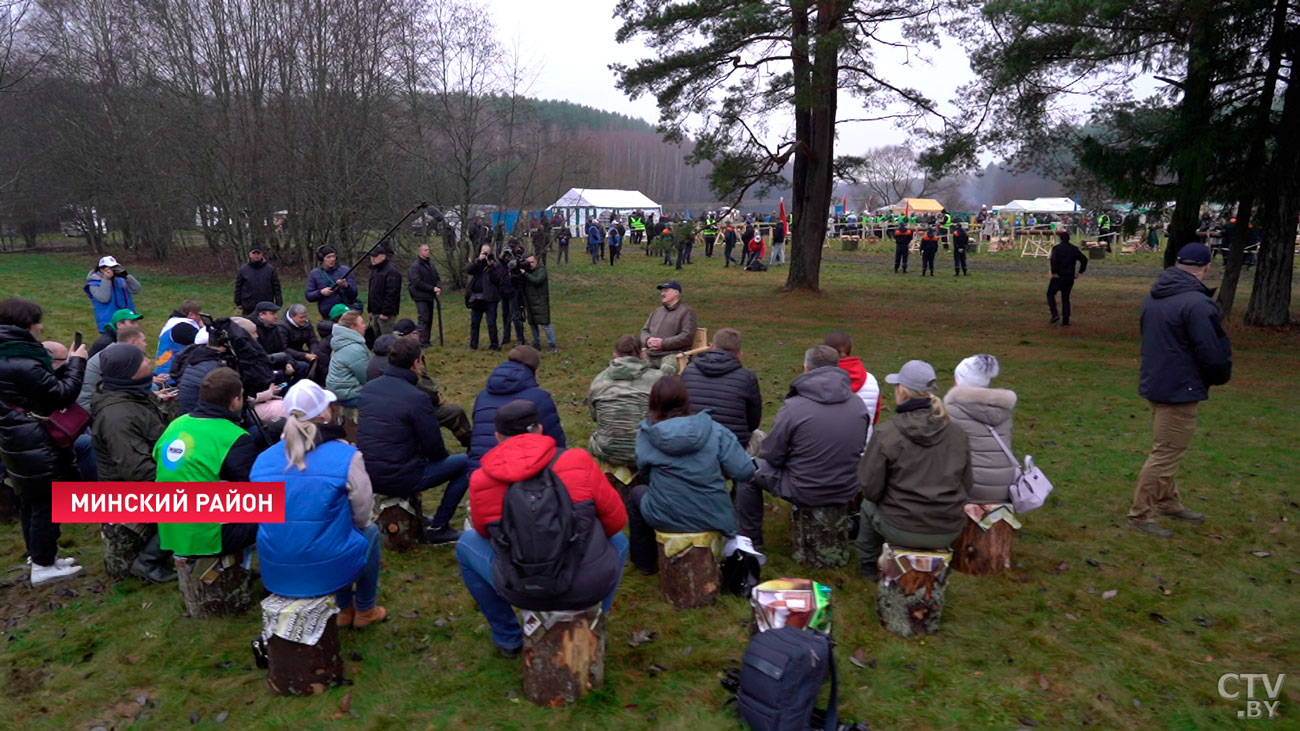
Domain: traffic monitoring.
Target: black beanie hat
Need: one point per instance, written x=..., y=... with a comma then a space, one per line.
x=183, y=333
x=324, y=251
x=118, y=364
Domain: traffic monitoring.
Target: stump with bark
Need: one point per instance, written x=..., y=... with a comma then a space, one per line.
x=691, y=578
x=401, y=524
x=910, y=591
x=122, y=544
x=564, y=661
x=215, y=586
x=819, y=536
x=299, y=669
x=980, y=552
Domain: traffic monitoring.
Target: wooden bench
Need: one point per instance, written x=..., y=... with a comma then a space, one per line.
x=910, y=590
x=122, y=544
x=984, y=546
x=215, y=586
x=692, y=577
x=303, y=668
x=400, y=521
x=819, y=536
x=563, y=654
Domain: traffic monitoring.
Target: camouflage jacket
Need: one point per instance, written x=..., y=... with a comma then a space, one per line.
x=617, y=401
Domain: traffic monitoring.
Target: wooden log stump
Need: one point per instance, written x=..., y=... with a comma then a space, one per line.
x=564, y=655
x=122, y=544
x=910, y=591
x=691, y=578
x=848, y=244
x=819, y=536
x=982, y=551
x=215, y=586
x=299, y=669
x=401, y=522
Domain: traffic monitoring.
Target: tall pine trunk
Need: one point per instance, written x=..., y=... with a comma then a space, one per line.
x=1194, y=157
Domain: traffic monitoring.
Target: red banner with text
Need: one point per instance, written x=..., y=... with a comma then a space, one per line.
x=168, y=502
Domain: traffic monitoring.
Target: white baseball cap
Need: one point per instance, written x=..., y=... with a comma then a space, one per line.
x=108, y=261
x=308, y=398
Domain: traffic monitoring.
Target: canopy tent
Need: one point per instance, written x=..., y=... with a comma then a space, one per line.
x=1040, y=205
x=917, y=205
x=1015, y=205
x=580, y=204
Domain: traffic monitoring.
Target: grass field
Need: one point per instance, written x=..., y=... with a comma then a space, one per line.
x=1039, y=645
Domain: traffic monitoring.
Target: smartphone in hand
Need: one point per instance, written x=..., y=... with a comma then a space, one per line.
x=77, y=339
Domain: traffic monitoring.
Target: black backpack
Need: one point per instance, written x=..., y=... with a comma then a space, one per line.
x=780, y=676
x=549, y=553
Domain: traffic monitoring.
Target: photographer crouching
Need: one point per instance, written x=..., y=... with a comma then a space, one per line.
x=231, y=342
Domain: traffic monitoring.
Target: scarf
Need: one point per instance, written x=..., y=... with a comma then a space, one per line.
x=27, y=349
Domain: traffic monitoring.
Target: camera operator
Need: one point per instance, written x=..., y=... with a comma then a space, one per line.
x=512, y=260
x=483, y=295
x=110, y=288
x=228, y=344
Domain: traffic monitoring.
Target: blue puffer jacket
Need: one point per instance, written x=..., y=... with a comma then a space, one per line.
x=687, y=461
x=319, y=279
x=510, y=381
x=201, y=361
x=316, y=550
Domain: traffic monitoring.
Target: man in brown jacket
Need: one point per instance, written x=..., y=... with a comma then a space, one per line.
x=671, y=327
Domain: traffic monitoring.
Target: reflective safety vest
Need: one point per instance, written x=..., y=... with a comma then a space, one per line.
x=710, y=227
x=636, y=223
x=947, y=220
x=1103, y=221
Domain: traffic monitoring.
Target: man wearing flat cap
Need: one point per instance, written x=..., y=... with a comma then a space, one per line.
x=257, y=281
x=670, y=329
x=385, y=292
x=1184, y=352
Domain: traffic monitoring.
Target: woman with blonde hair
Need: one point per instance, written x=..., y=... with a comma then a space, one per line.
x=915, y=475
x=327, y=542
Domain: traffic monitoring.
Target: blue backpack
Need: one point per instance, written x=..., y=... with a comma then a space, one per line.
x=780, y=676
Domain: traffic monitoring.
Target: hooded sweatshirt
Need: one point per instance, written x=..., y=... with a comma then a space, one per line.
x=617, y=401
x=816, y=439
x=975, y=410
x=509, y=381
x=1184, y=347
x=687, y=461
x=918, y=471
x=865, y=386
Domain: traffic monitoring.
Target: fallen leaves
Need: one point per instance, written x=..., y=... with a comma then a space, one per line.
x=859, y=659
x=1110, y=594
x=640, y=637
x=1261, y=554
x=1158, y=618
x=1042, y=682
x=1061, y=567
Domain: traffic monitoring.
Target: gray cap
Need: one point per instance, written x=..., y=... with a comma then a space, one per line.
x=915, y=375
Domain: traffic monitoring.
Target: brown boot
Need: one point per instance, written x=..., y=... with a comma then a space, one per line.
x=367, y=617
x=346, y=617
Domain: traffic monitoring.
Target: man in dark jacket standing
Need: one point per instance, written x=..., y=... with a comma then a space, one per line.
x=716, y=381
x=482, y=296
x=385, y=292
x=257, y=281
x=960, y=242
x=902, y=246
x=1184, y=352
x=811, y=456
x=1064, y=256
x=424, y=286
x=399, y=437
x=331, y=283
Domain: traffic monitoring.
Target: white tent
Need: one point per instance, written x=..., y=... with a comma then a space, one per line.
x=1039, y=205
x=1015, y=205
x=579, y=204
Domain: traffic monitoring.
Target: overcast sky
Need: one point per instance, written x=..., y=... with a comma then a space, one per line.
x=572, y=45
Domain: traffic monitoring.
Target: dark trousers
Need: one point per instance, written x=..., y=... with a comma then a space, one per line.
x=900, y=256
x=709, y=241
x=927, y=262
x=642, y=548
x=454, y=471
x=562, y=253
x=683, y=254
x=40, y=532
x=668, y=254
x=476, y=314
x=510, y=316
x=424, y=308
x=615, y=251
x=597, y=252
x=727, y=250
x=959, y=261
x=1062, y=285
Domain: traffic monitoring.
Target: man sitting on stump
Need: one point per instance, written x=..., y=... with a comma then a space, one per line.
x=670, y=329
x=811, y=456
x=617, y=400
x=595, y=568
x=451, y=416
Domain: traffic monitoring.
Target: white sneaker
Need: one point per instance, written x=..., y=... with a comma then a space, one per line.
x=60, y=562
x=49, y=574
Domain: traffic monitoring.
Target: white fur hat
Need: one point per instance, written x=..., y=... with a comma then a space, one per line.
x=976, y=371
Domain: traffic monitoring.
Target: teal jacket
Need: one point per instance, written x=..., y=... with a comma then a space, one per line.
x=687, y=461
x=348, y=362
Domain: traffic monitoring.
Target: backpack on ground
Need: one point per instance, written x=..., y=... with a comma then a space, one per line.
x=544, y=542
x=780, y=676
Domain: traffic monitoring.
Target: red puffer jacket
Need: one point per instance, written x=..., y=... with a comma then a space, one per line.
x=521, y=457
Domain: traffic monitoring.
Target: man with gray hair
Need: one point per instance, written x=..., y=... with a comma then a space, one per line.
x=810, y=458
x=298, y=338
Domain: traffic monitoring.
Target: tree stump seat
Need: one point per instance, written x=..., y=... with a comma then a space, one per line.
x=122, y=544
x=689, y=573
x=819, y=536
x=984, y=546
x=215, y=586
x=400, y=521
x=910, y=590
x=310, y=662
x=563, y=655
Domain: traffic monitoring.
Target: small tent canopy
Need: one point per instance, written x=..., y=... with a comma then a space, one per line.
x=918, y=205
x=1015, y=205
x=579, y=204
x=1039, y=205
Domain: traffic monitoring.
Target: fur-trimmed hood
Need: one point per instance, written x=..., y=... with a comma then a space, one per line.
x=1000, y=397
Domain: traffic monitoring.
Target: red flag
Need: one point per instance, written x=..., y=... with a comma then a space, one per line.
x=785, y=226
x=907, y=208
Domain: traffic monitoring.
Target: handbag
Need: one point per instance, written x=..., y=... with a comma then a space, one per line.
x=1031, y=487
x=64, y=425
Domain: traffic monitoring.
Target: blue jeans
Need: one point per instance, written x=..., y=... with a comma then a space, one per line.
x=474, y=554
x=550, y=334
x=367, y=582
x=454, y=471
x=86, y=463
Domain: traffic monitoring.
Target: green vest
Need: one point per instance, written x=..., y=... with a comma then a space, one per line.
x=947, y=220
x=710, y=228
x=635, y=223
x=1103, y=221
x=192, y=450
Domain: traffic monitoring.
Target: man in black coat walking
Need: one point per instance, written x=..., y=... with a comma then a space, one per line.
x=424, y=286
x=257, y=281
x=385, y=292
x=1185, y=351
x=1064, y=256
